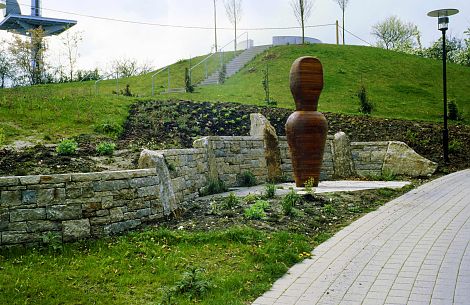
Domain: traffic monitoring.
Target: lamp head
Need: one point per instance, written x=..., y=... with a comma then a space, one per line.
x=443, y=23
x=443, y=17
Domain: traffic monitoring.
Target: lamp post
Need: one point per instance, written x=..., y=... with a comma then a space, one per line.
x=443, y=25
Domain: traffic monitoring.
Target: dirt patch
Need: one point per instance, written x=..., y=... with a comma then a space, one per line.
x=176, y=124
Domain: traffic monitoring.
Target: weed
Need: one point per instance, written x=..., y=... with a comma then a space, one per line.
x=247, y=179
x=230, y=201
x=366, y=105
x=193, y=284
x=270, y=190
x=67, y=147
x=250, y=198
x=455, y=146
x=53, y=241
x=109, y=128
x=2, y=136
x=289, y=202
x=214, y=187
x=105, y=148
x=309, y=185
x=329, y=209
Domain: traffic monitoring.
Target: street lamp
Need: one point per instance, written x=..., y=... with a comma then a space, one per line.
x=443, y=25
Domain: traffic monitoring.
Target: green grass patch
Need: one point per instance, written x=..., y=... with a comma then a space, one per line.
x=146, y=267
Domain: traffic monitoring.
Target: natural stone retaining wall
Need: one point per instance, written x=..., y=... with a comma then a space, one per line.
x=77, y=206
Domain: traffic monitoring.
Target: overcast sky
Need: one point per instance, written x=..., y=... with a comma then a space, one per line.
x=105, y=40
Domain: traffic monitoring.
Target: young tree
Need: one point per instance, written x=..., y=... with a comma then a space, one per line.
x=71, y=41
x=6, y=68
x=342, y=5
x=233, y=8
x=393, y=34
x=302, y=11
x=28, y=56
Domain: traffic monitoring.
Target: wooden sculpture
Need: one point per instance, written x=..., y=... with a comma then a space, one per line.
x=306, y=128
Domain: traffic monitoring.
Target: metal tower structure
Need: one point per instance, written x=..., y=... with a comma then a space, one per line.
x=17, y=23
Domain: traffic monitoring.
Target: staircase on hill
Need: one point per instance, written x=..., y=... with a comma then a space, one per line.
x=235, y=65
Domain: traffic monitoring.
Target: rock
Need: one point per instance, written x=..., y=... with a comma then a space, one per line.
x=342, y=157
x=27, y=214
x=64, y=212
x=402, y=160
x=261, y=127
x=76, y=229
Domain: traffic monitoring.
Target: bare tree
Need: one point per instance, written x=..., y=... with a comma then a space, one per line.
x=127, y=67
x=233, y=8
x=71, y=41
x=302, y=11
x=342, y=5
x=28, y=55
x=393, y=34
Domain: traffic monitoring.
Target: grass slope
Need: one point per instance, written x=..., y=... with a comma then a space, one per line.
x=401, y=86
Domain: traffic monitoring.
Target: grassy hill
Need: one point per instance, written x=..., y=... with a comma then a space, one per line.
x=401, y=86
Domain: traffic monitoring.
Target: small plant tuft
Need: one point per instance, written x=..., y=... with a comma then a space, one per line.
x=105, y=148
x=109, y=128
x=366, y=106
x=247, y=179
x=289, y=202
x=67, y=147
x=193, y=284
x=2, y=136
x=309, y=185
x=454, y=113
x=231, y=201
x=270, y=191
x=257, y=210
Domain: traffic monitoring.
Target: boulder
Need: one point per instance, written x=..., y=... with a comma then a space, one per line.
x=402, y=160
x=342, y=157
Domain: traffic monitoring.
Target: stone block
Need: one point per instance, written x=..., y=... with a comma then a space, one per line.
x=19, y=215
x=76, y=229
x=50, y=196
x=114, y=185
x=29, y=180
x=12, y=238
x=102, y=213
x=4, y=219
x=64, y=212
x=9, y=181
x=116, y=214
x=18, y=227
x=120, y=227
x=42, y=226
x=52, y=179
x=143, y=182
x=10, y=198
x=108, y=202
x=29, y=197
x=86, y=177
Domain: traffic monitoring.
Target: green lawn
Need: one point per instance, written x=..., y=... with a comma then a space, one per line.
x=401, y=86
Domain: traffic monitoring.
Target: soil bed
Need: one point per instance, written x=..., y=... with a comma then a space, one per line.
x=175, y=124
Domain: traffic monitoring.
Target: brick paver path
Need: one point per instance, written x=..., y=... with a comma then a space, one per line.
x=413, y=250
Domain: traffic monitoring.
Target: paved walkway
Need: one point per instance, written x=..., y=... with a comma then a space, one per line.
x=413, y=250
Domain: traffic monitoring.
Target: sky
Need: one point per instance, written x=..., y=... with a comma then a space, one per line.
x=106, y=40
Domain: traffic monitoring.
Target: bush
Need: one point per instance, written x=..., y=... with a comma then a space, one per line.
x=105, y=148
x=222, y=74
x=270, y=190
x=454, y=112
x=289, y=202
x=187, y=82
x=67, y=147
x=214, y=187
x=365, y=106
x=247, y=179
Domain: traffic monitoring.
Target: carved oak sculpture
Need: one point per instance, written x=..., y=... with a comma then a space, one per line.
x=306, y=128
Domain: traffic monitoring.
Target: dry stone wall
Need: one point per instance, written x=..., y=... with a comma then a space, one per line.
x=77, y=206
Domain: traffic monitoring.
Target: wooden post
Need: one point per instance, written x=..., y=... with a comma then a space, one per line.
x=337, y=32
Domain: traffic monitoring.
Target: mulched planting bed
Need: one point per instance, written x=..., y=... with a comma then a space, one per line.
x=175, y=124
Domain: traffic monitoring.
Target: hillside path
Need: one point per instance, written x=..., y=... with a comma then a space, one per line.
x=413, y=250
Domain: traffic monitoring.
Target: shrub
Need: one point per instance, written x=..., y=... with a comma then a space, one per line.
x=454, y=112
x=214, y=187
x=127, y=91
x=222, y=74
x=289, y=202
x=187, y=82
x=248, y=179
x=270, y=190
x=250, y=198
x=365, y=106
x=105, y=148
x=329, y=209
x=67, y=147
